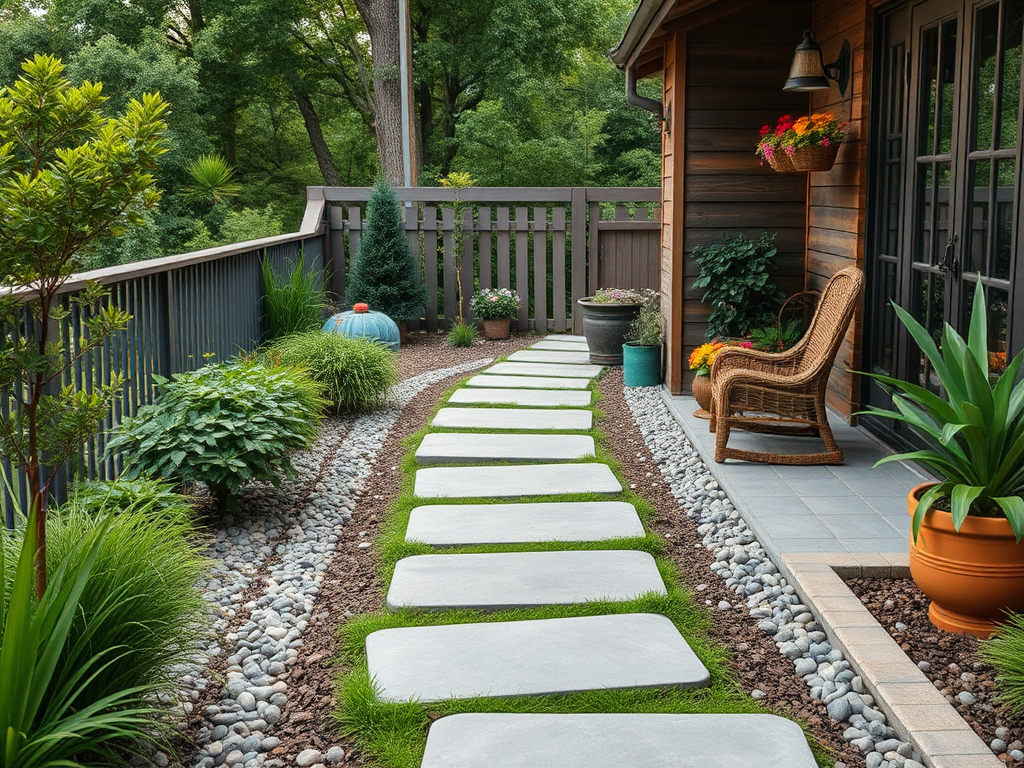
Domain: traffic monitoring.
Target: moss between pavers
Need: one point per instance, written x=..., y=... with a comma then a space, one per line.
x=394, y=734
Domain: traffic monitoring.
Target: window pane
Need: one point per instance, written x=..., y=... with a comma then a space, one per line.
x=975, y=247
x=1002, y=254
x=1010, y=91
x=928, y=295
x=949, y=72
x=929, y=89
x=986, y=43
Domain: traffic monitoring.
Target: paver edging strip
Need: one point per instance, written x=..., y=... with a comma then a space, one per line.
x=915, y=708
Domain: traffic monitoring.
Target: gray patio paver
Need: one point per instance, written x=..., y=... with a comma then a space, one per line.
x=475, y=448
x=538, y=398
x=870, y=526
x=603, y=740
x=512, y=418
x=527, y=382
x=826, y=506
x=531, y=658
x=545, y=369
x=565, y=337
x=449, y=525
x=511, y=481
x=549, y=356
x=497, y=581
x=561, y=346
x=795, y=527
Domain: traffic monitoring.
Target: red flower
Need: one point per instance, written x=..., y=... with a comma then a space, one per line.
x=765, y=129
x=781, y=129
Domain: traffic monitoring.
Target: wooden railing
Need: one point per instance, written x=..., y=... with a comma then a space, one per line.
x=552, y=245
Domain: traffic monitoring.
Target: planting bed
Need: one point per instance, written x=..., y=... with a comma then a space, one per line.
x=949, y=661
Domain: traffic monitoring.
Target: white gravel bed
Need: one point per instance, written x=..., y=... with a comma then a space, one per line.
x=295, y=529
x=759, y=586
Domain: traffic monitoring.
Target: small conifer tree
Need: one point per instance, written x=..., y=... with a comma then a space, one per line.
x=386, y=275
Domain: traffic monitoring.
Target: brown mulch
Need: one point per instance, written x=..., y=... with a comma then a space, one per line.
x=952, y=660
x=757, y=662
x=423, y=351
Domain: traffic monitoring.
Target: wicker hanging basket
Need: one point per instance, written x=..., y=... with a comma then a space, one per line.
x=781, y=162
x=817, y=158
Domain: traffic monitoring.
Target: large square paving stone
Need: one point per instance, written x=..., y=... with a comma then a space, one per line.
x=538, y=398
x=549, y=356
x=496, y=581
x=453, y=525
x=527, y=382
x=475, y=448
x=531, y=658
x=566, y=370
x=615, y=740
x=512, y=418
x=564, y=337
x=511, y=481
x=561, y=345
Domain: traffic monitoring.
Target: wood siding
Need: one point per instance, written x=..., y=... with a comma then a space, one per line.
x=836, y=224
x=672, y=209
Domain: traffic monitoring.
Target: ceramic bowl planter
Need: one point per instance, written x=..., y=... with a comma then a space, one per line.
x=973, y=576
x=641, y=365
x=605, y=325
x=498, y=328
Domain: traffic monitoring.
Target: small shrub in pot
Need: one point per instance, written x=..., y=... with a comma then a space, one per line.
x=641, y=352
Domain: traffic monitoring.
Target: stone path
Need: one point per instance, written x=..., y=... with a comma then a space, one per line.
x=524, y=401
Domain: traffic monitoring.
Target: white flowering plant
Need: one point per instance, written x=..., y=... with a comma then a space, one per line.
x=495, y=303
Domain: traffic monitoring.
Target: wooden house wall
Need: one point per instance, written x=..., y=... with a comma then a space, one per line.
x=836, y=228
x=672, y=211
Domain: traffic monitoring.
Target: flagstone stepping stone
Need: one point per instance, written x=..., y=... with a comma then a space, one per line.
x=545, y=369
x=531, y=658
x=502, y=740
x=511, y=481
x=452, y=525
x=527, y=382
x=512, y=418
x=539, y=398
x=473, y=448
x=564, y=337
x=561, y=346
x=497, y=581
x=548, y=356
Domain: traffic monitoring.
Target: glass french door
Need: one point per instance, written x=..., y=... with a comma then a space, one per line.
x=946, y=199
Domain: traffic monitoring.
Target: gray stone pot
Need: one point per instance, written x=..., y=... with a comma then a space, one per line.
x=605, y=326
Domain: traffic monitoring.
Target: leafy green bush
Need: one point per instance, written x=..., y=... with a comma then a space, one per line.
x=100, y=496
x=356, y=373
x=293, y=302
x=53, y=704
x=646, y=329
x=777, y=338
x=222, y=425
x=1004, y=651
x=734, y=274
x=462, y=335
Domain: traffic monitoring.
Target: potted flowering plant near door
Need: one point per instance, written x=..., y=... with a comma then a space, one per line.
x=641, y=352
x=966, y=548
x=496, y=308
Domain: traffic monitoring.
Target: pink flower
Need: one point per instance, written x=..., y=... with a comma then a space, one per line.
x=825, y=142
x=790, y=150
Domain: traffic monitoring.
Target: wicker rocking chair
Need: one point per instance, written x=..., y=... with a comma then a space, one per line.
x=784, y=393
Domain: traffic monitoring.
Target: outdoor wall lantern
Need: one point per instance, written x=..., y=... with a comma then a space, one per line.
x=809, y=72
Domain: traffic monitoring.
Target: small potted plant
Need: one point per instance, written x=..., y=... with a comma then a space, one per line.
x=607, y=316
x=641, y=353
x=805, y=144
x=495, y=308
x=966, y=552
x=700, y=361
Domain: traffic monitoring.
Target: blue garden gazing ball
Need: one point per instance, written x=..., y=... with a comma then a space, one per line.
x=361, y=323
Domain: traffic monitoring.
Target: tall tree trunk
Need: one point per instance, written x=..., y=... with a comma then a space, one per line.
x=324, y=158
x=381, y=19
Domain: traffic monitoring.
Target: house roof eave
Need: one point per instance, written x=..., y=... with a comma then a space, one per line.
x=648, y=18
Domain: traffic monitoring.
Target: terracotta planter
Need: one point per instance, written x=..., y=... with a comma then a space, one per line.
x=816, y=158
x=973, y=576
x=499, y=328
x=702, y=394
x=605, y=326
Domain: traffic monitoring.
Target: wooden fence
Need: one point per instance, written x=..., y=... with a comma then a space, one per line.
x=551, y=245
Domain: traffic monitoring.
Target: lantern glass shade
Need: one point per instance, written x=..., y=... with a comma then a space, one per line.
x=807, y=72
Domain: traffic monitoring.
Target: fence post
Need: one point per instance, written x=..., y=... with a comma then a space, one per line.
x=579, y=254
x=336, y=240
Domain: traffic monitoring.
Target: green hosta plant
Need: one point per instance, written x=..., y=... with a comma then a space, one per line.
x=974, y=431
x=223, y=425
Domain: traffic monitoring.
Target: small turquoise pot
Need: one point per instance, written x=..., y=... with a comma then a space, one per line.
x=641, y=366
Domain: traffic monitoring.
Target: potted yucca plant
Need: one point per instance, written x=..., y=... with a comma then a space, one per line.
x=966, y=552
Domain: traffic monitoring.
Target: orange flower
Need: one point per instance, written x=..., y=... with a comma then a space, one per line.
x=801, y=126
x=702, y=358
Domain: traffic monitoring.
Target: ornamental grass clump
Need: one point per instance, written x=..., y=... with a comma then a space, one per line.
x=495, y=303
x=356, y=374
x=1004, y=652
x=462, y=335
x=973, y=432
x=293, y=301
x=223, y=425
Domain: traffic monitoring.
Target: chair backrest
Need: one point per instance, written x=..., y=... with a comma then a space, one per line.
x=831, y=319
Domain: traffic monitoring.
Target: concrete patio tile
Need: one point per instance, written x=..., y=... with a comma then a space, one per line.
x=880, y=546
x=538, y=398
x=841, y=619
x=527, y=382
x=928, y=717
x=601, y=741
x=826, y=506
x=561, y=345
x=545, y=369
x=531, y=658
x=512, y=481
x=499, y=581
x=808, y=545
x=875, y=484
x=794, y=526
x=959, y=744
x=825, y=584
x=817, y=486
x=550, y=356
x=449, y=525
x=847, y=602
x=512, y=418
x=772, y=506
x=966, y=761
x=870, y=526
x=765, y=485
x=481, y=448
x=909, y=693
x=565, y=337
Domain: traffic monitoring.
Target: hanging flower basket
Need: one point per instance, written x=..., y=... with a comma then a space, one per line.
x=801, y=145
x=816, y=158
x=780, y=162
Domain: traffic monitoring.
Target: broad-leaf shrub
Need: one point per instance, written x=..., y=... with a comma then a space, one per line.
x=356, y=374
x=102, y=496
x=223, y=425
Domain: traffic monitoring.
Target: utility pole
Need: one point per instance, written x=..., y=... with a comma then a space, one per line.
x=405, y=73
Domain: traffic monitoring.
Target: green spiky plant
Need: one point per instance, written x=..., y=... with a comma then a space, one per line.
x=212, y=179
x=973, y=431
x=293, y=301
x=1004, y=652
